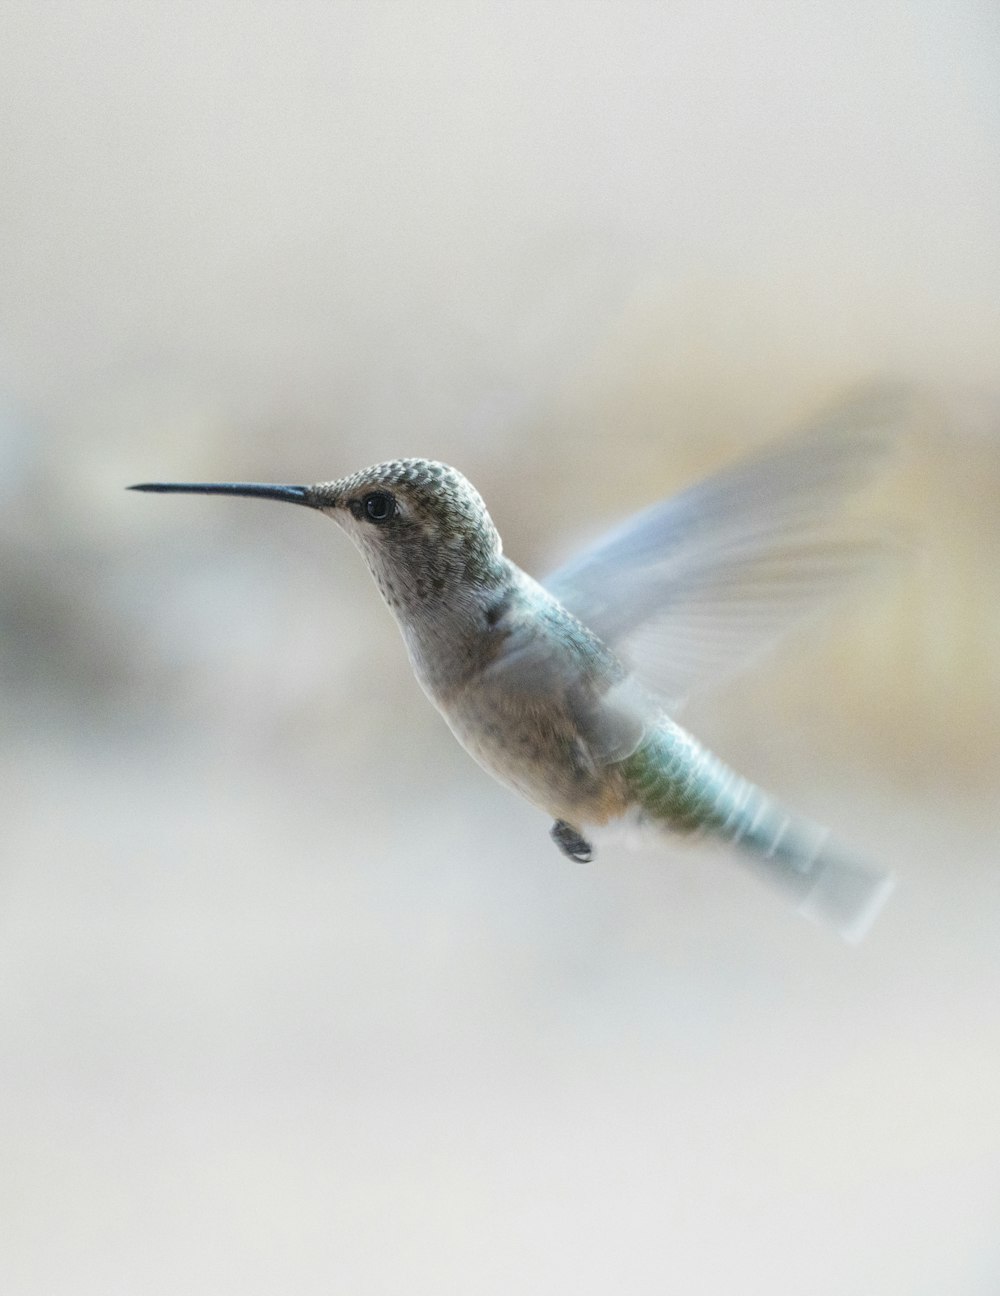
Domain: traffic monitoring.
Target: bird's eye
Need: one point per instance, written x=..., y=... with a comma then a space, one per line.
x=378, y=506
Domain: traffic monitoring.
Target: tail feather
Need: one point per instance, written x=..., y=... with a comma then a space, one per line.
x=679, y=785
x=828, y=884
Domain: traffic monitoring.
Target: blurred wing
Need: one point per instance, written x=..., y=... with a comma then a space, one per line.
x=562, y=683
x=693, y=588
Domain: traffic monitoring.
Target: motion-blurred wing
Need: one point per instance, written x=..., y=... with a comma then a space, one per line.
x=565, y=680
x=692, y=588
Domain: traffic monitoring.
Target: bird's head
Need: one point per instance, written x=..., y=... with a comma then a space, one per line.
x=421, y=526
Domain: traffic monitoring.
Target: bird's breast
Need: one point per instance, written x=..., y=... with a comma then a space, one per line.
x=521, y=685
x=535, y=748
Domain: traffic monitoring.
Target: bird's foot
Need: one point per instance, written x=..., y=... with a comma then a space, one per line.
x=570, y=842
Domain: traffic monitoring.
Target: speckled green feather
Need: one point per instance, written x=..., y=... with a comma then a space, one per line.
x=676, y=783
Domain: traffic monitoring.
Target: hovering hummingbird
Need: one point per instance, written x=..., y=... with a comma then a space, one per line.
x=566, y=690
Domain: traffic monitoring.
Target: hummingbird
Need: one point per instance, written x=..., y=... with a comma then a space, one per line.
x=567, y=690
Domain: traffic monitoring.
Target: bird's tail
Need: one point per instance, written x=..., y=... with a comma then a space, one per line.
x=679, y=785
x=826, y=882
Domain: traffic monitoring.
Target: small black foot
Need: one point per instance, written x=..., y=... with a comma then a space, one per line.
x=570, y=842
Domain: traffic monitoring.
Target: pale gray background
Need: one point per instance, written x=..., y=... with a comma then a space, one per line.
x=292, y=997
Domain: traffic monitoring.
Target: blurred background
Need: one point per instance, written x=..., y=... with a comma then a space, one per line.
x=292, y=996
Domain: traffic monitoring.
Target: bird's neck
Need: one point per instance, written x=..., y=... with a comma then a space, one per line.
x=452, y=635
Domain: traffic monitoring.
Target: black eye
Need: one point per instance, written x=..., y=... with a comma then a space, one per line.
x=379, y=506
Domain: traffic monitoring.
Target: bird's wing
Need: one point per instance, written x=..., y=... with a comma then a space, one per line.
x=565, y=678
x=692, y=588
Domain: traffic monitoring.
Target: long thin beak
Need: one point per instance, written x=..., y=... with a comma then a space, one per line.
x=290, y=494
